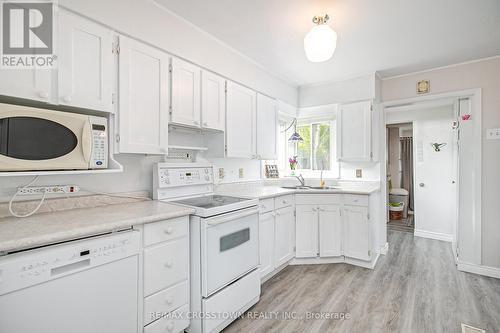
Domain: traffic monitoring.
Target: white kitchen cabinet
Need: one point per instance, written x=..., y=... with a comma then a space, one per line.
x=306, y=239
x=213, y=101
x=330, y=231
x=354, y=139
x=186, y=93
x=357, y=242
x=144, y=94
x=85, y=72
x=34, y=84
x=240, y=121
x=284, y=235
x=266, y=128
x=266, y=243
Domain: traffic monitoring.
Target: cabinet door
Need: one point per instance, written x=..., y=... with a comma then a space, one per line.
x=266, y=243
x=354, y=132
x=186, y=93
x=34, y=84
x=306, y=231
x=356, y=232
x=284, y=235
x=143, y=116
x=240, y=117
x=213, y=101
x=330, y=231
x=266, y=128
x=85, y=63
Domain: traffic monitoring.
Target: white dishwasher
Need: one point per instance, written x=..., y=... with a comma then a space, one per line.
x=84, y=286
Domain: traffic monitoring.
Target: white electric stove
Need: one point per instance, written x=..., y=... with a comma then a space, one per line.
x=224, y=244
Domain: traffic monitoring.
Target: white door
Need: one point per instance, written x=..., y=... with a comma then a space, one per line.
x=330, y=231
x=354, y=132
x=34, y=84
x=241, y=119
x=186, y=93
x=356, y=232
x=435, y=199
x=266, y=128
x=306, y=231
x=85, y=63
x=284, y=235
x=143, y=117
x=213, y=101
x=266, y=243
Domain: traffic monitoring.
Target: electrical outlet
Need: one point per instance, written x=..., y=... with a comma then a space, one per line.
x=493, y=134
x=359, y=173
x=54, y=189
x=242, y=173
x=221, y=173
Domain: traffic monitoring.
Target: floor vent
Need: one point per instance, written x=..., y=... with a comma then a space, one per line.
x=470, y=329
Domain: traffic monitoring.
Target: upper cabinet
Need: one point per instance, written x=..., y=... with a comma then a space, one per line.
x=240, y=121
x=213, y=101
x=85, y=72
x=354, y=137
x=186, y=93
x=266, y=128
x=144, y=94
x=34, y=84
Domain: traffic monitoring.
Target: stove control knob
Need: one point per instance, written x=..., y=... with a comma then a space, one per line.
x=207, y=177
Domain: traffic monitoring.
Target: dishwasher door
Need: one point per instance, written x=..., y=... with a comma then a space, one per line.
x=78, y=287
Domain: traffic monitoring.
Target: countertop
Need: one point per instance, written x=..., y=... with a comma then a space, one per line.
x=262, y=192
x=47, y=228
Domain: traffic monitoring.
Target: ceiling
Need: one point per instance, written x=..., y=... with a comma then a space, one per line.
x=389, y=36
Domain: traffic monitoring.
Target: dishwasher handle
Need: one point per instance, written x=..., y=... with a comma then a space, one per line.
x=231, y=216
x=70, y=267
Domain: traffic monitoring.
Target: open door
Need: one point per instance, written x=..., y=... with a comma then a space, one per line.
x=455, y=176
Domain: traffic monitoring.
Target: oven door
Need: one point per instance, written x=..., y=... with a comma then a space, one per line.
x=36, y=139
x=229, y=248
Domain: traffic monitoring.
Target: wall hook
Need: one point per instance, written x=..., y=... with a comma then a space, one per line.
x=437, y=146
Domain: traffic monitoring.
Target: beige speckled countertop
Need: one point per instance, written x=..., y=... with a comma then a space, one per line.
x=53, y=227
x=262, y=192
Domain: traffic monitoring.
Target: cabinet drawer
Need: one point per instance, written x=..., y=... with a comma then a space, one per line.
x=165, y=265
x=165, y=230
x=165, y=301
x=318, y=199
x=283, y=201
x=177, y=322
x=266, y=205
x=356, y=200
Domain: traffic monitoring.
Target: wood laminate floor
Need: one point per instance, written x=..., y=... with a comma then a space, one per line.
x=414, y=288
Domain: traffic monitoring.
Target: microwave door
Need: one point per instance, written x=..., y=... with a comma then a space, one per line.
x=48, y=141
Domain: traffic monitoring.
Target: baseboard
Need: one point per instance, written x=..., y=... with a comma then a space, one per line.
x=384, y=249
x=479, y=269
x=433, y=235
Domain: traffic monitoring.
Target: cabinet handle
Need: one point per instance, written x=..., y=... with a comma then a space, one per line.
x=169, y=300
x=43, y=94
x=278, y=214
x=285, y=202
x=168, y=231
x=168, y=264
x=170, y=326
x=196, y=122
x=67, y=99
x=205, y=124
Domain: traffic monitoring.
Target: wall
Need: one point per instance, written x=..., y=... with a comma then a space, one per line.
x=393, y=157
x=361, y=88
x=154, y=24
x=485, y=75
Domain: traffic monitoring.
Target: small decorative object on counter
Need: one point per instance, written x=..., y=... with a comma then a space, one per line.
x=293, y=164
x=272, y=171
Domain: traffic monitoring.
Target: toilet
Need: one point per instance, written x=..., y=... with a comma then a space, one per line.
x=400, y=195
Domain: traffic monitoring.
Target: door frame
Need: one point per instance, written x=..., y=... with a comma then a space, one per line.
x=435, y=100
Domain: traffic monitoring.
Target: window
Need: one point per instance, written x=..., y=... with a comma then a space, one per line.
x=315, y=153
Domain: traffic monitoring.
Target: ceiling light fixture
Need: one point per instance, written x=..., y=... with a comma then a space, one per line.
x=321, y=41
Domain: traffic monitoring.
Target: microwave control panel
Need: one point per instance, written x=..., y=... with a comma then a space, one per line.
x=99, y=157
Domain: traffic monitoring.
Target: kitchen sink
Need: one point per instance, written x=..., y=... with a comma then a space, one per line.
x=325, y=188
x=297, y=187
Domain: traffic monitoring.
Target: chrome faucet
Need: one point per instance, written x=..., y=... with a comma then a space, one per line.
x=301, y=180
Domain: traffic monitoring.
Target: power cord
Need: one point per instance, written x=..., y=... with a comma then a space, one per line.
x=15, y=214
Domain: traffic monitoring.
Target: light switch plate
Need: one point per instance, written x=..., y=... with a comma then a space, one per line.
x=493, y=134
x=359, y=173
x=242, y=173
x=221, y=173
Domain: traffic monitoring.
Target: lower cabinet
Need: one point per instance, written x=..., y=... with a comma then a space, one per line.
x=276, y=233
x=331, y=228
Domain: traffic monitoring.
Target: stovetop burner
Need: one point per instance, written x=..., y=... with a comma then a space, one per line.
x=210, y=201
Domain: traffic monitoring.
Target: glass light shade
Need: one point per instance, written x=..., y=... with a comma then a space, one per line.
x=295, y=137
x=320, y=43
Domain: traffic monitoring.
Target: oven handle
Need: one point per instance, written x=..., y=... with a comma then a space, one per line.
x=231, y=217
x=86, y=144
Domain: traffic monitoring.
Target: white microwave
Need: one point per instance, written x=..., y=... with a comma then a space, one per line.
x=36, y=139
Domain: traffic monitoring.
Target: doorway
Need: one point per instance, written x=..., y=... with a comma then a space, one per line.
x=400, y=176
